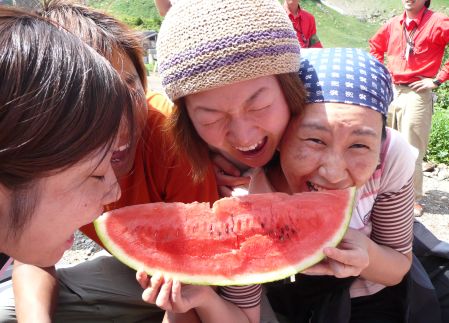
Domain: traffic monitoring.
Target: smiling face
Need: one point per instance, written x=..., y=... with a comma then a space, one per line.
x=65, y=201
x=244, y=121
x=123, y=157
x=333, y=146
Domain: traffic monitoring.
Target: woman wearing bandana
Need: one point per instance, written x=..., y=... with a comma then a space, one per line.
x=341, y=141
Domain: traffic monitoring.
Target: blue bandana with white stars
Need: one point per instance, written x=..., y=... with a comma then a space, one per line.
x=345, y=75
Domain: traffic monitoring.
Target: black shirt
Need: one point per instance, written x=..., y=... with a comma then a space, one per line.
x=3, y=259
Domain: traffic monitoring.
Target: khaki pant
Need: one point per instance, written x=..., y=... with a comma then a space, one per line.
x=411, y=114
x=99, y=290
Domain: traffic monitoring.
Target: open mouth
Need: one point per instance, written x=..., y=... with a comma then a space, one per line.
x=120, y=154
x=252, y=149
x=314, y=187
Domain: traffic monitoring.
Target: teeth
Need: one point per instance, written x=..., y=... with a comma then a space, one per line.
x=249, y=148
x=315, y=187
x=122, y=148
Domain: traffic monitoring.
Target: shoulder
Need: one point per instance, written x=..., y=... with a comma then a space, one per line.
x=397, y=161
x=306, y=14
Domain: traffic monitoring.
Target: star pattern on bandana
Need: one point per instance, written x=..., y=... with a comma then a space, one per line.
x=346, y=75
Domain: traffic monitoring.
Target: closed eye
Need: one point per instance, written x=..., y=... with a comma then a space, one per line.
x=315, y=140
x=360, y=146
x=261, y=108
x=99, y=178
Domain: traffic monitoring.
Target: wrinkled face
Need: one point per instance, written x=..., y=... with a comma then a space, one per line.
x=65, y=201
x=123, y=158
x=413, y=6
x=333, y=146
x=244, y=121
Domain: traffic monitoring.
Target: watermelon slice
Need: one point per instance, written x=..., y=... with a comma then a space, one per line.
x=241, y=240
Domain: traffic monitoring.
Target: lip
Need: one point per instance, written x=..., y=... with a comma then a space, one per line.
x=120, y=155
x=313, y=187
x=69, y=242
x=255, y=152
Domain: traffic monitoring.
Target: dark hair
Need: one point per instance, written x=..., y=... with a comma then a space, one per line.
x=427, y=3
x=101, y=31
x=59, y=102
x=187, y=140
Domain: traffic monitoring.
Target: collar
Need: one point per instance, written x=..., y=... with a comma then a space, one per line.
x=418, y=18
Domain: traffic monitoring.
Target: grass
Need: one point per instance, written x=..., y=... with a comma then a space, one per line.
x=336, y=30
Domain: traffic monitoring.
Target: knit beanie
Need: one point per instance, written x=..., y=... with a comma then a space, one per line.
x=204, y=44
x=346, y=75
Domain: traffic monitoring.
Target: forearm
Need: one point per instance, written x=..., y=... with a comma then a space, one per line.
x=35, y=292
x=386, y=265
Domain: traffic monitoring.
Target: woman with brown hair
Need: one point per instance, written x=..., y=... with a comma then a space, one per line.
x=61, y=106
x=148, y=171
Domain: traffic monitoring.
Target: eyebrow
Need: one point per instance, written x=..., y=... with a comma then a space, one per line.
x=364, y=131
x=247, y=101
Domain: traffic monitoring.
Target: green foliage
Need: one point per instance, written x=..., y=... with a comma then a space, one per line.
x=141, y=14
x=336, y=30
x=438, y=150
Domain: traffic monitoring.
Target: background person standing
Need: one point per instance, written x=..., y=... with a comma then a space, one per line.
x=303, y=23
x=414, y=44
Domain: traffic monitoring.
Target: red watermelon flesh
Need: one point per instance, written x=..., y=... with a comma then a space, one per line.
x=241, y=240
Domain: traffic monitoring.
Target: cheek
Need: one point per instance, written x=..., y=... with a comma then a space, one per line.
x=362, y=169
x=297, y=162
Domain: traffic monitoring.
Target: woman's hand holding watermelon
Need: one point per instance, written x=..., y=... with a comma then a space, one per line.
x=170, y=295
x=350, y=258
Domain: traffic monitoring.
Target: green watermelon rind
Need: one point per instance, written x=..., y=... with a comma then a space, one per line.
x=244, y=279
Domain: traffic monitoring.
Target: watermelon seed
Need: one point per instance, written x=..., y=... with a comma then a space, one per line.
x=262, y=225
x=227, y=228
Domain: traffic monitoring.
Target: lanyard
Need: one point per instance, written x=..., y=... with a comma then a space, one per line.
x=410, y=43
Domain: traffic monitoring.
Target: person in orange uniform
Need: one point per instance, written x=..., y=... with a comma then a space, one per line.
x=414, y=44
x=149, y=170
x=303, y=23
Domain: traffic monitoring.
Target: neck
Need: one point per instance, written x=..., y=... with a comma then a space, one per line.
x=277, y=179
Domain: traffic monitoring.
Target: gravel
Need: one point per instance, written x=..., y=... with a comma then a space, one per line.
x=435, y=217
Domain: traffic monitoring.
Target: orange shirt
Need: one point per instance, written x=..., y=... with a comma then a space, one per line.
x=305, y=27
x=159, y=175
x=430, y=38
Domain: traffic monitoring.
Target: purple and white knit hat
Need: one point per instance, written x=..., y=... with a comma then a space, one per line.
x=204, y=44
x=346, y=75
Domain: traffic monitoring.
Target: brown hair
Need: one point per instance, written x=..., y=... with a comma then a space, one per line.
x=427, y=3
x=187, y=140
x=101, y=31
x=59, y=102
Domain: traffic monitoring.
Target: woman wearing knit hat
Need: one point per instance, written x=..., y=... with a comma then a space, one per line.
x=231, y=68
x=341, y=141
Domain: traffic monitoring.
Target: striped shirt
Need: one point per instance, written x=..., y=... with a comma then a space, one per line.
x=384, y=211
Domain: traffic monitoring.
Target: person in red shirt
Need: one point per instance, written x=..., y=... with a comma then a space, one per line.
x=414, y=44
x=303, y=23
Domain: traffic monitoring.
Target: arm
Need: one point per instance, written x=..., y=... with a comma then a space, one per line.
x=378, y=44
x=162, y=6
x=314, y=41
x=384, y=258
x=35, y=292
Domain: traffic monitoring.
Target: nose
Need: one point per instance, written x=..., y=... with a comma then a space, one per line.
x=241, y=131
x=112, y=188
x=333, y=168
